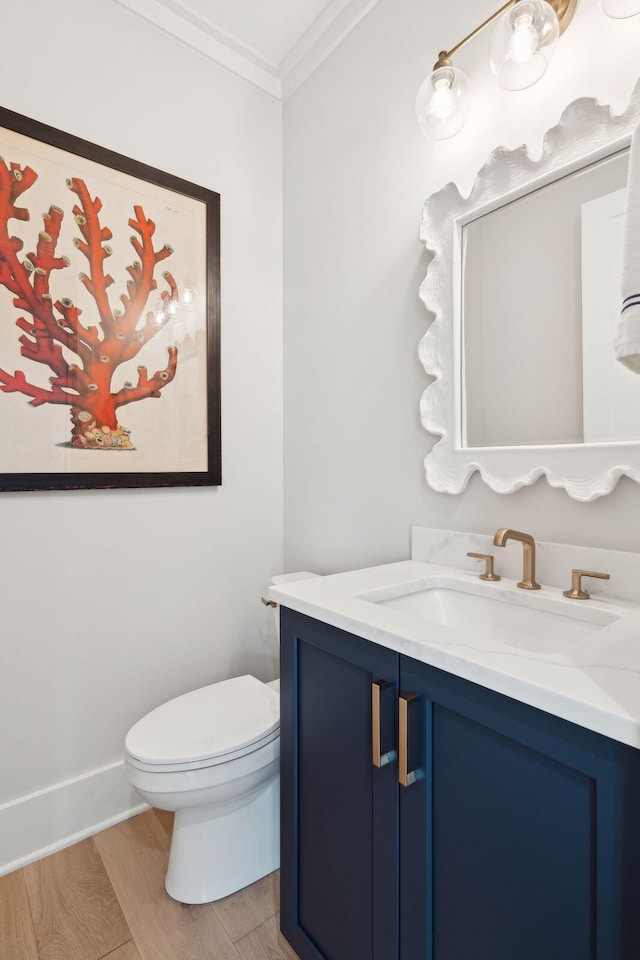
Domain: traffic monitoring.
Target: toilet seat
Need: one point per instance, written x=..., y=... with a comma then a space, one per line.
x=188, y=785
x=207, y=727
x=202, y=764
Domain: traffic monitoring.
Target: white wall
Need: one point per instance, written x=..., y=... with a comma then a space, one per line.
x=357, y=171
x=113, y=601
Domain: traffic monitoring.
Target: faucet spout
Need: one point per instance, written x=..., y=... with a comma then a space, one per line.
x=501, y=538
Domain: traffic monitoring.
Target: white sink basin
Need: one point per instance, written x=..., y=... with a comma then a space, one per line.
x=506, y=615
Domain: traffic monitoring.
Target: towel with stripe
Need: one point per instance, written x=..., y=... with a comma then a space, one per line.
x=627, y=341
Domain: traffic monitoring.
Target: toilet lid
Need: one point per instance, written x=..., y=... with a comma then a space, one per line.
x=210, y=722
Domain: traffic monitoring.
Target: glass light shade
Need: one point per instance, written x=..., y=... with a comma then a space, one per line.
x=523, y=44
x=442, y=102
x=620, y=9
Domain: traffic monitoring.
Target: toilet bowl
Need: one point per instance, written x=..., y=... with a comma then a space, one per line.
x=212, y=757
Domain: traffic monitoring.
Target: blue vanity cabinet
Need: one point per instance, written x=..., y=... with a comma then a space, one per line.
x=517, y=836
x=339, y=812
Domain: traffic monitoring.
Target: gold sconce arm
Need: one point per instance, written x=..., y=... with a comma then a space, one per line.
x=565, y=10
x=444, y=58
x=521, y=49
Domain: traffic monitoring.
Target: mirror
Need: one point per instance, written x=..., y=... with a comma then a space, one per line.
x=525, y=288
x=541, y=281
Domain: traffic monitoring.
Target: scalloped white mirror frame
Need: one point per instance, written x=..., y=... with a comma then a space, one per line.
x=587, y=132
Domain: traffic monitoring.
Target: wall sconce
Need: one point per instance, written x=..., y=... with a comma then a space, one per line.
x=522, y=46
x=621, y=9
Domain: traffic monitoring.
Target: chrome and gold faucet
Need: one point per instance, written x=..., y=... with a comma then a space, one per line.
x=528, y=581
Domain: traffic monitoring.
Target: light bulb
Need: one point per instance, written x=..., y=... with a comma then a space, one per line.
x=524, y=43
x=621, y=9
x=442, y=102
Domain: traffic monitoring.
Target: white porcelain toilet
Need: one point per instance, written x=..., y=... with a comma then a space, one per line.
x=212, y=756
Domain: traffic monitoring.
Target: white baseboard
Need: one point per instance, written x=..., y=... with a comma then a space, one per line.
x=41, y=823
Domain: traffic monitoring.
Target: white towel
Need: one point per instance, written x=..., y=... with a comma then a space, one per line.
x=627, y=343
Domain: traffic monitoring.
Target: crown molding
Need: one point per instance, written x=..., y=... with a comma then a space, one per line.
x=177, y=19
x=215, y=44
x=332, y=26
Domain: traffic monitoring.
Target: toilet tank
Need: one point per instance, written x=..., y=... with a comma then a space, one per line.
x=288, y=578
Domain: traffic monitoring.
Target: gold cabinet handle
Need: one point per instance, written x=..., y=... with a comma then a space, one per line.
x=405, y=777
x=378, y=758
x=269, y=603
x=488, y=572
x=576, y=592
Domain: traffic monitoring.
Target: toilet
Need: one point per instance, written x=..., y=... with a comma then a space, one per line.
x=212, y=756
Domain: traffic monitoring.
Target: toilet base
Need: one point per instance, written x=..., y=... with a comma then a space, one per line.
x=219, y=849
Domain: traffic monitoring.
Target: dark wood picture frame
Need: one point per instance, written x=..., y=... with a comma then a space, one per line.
x=35, y=314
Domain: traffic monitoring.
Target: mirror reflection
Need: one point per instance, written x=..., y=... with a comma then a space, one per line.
x=541, y=280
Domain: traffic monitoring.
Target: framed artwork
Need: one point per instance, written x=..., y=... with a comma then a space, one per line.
x=109, y=318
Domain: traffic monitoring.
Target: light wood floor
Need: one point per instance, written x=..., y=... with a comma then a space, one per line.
x=105, y=897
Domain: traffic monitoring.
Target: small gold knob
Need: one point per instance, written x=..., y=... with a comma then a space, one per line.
x=576, y=592
x=488, y=559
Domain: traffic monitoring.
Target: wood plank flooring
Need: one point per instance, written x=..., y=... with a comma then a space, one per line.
x=105, y=898
x=17, y=936
x=55, y=887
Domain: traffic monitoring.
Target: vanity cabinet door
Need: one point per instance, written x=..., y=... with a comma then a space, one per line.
x=339, y=827
x=519, y=836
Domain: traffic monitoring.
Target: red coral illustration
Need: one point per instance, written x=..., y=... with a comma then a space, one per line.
x=52, y=331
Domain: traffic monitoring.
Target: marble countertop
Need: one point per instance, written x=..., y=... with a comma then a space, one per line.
x=594, y=682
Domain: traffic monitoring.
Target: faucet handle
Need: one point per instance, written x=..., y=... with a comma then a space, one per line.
x=576, y=592
x=488, y=559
